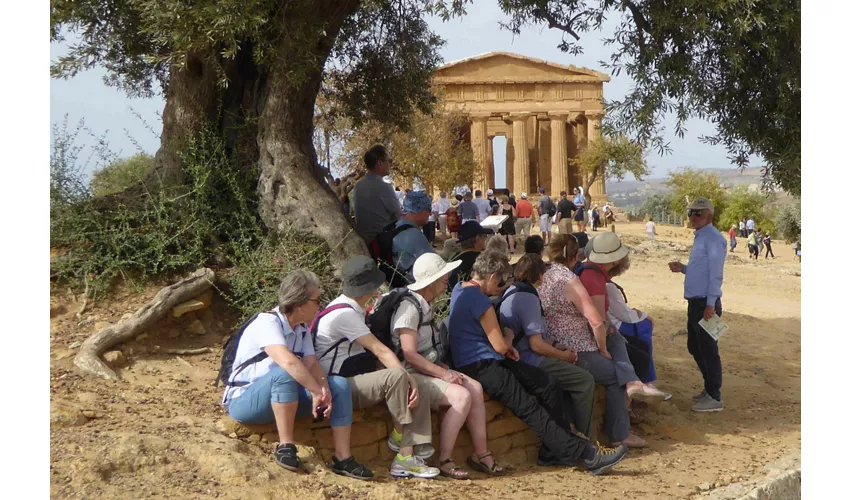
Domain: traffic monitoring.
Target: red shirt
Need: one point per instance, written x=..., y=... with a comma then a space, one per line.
x=732, y=232
x=523, y=209
x=594, y=282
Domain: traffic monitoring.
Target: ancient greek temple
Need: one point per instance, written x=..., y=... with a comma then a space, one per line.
x=547, y=112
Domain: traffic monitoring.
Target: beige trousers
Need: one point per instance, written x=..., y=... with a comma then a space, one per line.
x=392, y=385
x=523, y=225
x=565, y=226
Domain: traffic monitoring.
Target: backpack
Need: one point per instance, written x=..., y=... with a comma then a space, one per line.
x=228, y=355
x=380, y=319
x=547, y=207
x=381, y=249
x=518, y=286
x=365, y=362
x=453, y=220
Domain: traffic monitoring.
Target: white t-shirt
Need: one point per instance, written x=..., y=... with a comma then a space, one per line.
x=650, y=227
x=618, y=311
x=343, y=324
x=442, y=205
x=406, y=316
x=267, y=329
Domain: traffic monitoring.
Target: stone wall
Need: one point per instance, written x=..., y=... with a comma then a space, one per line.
x=508, y=437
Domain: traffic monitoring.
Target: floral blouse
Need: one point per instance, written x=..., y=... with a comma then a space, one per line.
x=565, y=324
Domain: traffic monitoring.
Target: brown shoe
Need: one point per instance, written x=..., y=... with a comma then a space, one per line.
x=633, y=441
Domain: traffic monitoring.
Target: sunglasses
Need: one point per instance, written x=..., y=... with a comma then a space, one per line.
x=695, y=213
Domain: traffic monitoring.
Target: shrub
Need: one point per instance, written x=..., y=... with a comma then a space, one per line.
x=788, y=224
x=121, y=174
x=743, y=204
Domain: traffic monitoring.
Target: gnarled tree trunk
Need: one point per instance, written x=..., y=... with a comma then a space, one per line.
x=292, y=187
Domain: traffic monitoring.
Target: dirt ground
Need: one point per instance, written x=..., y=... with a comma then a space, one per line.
x=154, y=434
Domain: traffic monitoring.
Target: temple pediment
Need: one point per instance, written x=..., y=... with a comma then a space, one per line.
x=504, y=67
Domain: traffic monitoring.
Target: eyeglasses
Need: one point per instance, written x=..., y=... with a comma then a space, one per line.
x=695, y=213
x=318, y=301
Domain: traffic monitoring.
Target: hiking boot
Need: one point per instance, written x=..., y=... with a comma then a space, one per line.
x=412, y=466
x=708, y=404
x=546, y=458
x=604, y=458
x=696, y=398
x=350, y=468
x=286, y=455
x=420, y=450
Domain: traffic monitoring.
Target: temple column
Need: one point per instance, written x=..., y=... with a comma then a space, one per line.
x=522, y=179
x=558, y=126
x=594, y=133
x=478, y=143
x=491, y=167
x=509, y=159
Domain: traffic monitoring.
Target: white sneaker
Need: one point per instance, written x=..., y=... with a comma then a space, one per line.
x=412, y=467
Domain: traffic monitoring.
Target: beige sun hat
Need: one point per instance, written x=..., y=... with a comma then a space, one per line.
x=607, y=248
x=428, y=268
x=702, y=203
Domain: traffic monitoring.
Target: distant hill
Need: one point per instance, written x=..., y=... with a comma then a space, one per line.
x=634, y=193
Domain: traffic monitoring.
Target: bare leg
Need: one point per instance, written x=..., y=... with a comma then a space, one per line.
x=458, y=399
x=476, y=421
x=342, y=441
x=284, y=417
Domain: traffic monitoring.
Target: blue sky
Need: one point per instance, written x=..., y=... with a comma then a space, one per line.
x=108, y=111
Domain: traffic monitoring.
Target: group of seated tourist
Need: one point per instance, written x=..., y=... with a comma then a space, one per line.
x=536, y=337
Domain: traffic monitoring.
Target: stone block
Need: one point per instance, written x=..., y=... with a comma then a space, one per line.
x=499, y=446
x=229, y=426
x=514, y=458
x=65, y=415
x=493, y=409
x=463, y=438
x=503, y=427
x=384, y=452
x=531, y=453
x=363, y=433
x=196, y=328
x=524, y=438
x=597, y=424
x=201, y=302
x=115, y=359
x=367, y=452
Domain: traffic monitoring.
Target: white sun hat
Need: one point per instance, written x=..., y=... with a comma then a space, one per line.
x=606, y=248
x=428, y=268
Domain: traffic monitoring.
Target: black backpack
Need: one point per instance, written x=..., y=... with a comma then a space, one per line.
x=228, y=356
x=380, y=319
x=382, y=252
x=518, y=286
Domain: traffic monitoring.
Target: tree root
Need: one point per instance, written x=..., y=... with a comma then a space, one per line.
x=88, y=359
x=180, y=352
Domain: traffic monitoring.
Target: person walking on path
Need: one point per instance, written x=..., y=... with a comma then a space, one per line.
x=650, y=229
x=578, y=201
x=703, y=281
x=751, y=226
x=508, y=228
x=732, y=241
x=753, y=246
x=442, y=208
x=546, y=209
x=524, y=209
x=769, y=250
x=563, y=217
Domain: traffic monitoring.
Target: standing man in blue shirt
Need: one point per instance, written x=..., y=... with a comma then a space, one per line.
x=703, y=278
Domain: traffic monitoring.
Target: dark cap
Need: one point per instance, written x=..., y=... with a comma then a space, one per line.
x=470, y=229
x=360, y=276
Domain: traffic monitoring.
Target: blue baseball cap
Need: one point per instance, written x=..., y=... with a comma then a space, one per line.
x=470, y=229
x=417, y=201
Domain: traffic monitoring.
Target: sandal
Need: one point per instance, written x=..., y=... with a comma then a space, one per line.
x=454, y=471
x=350, y=468
x=475, y=463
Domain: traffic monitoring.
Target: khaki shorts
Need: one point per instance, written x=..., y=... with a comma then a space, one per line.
x=565, y=226
x=435, y=388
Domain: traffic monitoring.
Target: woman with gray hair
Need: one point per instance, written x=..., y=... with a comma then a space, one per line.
x=479, y=350
x=276, y=377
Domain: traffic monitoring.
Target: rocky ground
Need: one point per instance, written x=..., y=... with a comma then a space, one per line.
x=154, y=433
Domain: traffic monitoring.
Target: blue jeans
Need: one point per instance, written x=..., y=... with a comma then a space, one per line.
x=254, y=406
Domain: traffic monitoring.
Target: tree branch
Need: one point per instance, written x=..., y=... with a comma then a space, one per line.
x=554, y=23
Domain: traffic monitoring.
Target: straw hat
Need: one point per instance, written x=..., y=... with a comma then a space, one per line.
x=454, y=203
x=607, y=248
x=428, y=268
